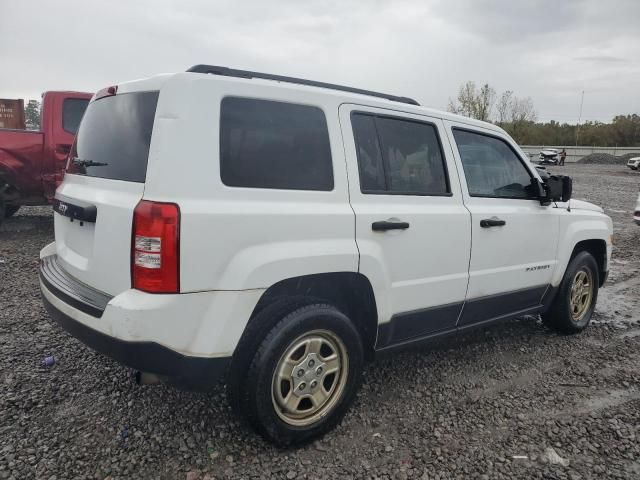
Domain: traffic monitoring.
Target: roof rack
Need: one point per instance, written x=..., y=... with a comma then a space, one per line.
x=231, y=72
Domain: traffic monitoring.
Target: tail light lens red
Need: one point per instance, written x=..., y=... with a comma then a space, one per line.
x=155, y=247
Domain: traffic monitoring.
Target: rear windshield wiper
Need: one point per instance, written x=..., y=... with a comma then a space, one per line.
x=82, y=162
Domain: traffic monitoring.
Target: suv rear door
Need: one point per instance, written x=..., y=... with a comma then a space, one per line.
x=412, y=229
x=106, y=174
x=514, y=238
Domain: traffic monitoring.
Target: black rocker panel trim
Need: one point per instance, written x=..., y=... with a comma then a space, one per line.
x=418, y=323
x=409, y=328
x=481, y=309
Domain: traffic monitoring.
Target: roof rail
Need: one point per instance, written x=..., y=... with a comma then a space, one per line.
x=231, y=72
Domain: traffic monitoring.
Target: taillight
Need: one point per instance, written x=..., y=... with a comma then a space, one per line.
x=155, y=247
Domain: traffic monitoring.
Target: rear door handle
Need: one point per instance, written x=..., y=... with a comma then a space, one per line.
x=492, y=222
x=385, y=225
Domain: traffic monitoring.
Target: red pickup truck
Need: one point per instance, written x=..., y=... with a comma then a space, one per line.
x=32, y=162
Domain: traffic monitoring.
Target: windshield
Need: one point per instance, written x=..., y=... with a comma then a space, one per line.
x=114, y=137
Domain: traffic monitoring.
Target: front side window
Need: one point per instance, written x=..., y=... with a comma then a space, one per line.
x=268, y=144
x=399, y=156
x=72, y=111
x=491, y=167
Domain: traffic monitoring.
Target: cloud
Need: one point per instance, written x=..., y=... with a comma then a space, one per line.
x=601, y=59
x=547, y=50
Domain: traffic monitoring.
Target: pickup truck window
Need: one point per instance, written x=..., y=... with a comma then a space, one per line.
x=114, y=137
x=72, y=111
x=491, y=167
x=399, y=156
x=268, y=144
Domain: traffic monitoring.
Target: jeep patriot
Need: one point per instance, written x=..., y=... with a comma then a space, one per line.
x=277, y=233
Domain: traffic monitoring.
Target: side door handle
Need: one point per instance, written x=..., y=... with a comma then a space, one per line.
x=385, y=225
x=492, y=222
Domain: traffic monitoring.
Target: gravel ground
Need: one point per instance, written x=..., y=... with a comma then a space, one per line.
x=510, y=401
x=607, y=158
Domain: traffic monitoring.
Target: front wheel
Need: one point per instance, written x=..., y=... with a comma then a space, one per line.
x=575, y=301
x=303, y=376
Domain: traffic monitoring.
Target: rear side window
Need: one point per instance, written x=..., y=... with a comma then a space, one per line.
x=267, y=144
x=372, y=178
x=491, y=167
x=72, y=111
x=114, y=137
x=399, y=156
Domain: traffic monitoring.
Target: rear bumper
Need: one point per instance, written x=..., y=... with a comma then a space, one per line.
x=78, y=308
x=144, y=356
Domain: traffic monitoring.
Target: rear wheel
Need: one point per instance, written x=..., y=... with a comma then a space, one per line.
x=10, y=210
x=575, y=302
x=303, y=376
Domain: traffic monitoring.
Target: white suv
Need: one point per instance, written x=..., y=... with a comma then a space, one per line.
x=278, y=232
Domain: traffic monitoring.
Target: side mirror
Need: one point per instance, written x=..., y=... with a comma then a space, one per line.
x=558, y=188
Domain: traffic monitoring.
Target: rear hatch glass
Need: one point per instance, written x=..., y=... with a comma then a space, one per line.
x=114, y=137
x=111, y=151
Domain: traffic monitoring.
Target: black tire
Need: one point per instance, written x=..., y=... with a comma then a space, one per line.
x=3, y=207
x=560, y=315
x=253, y=370
x=10, y=210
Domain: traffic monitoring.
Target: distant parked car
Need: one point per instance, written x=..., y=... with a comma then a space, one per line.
x=636, y=212
x=549, y=156
x=634, y=163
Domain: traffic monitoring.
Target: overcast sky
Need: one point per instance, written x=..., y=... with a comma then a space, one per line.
x=549, y=50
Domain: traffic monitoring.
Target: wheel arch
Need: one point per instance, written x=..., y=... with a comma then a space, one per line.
x=583, y=230
x=598, y=249
x=350, y=292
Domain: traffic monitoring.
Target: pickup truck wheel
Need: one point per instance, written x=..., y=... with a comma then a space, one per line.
x=3, y=209
x=304, y=375
x=575, y=302
x=10, y=210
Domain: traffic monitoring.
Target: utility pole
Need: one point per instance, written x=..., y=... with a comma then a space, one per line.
x=579, y=118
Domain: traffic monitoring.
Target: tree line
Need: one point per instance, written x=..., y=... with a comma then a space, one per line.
x=518, y=116
x=32, y=115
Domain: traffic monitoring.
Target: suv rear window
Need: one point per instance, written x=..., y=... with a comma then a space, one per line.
x=268, y=144
x=114, y=137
